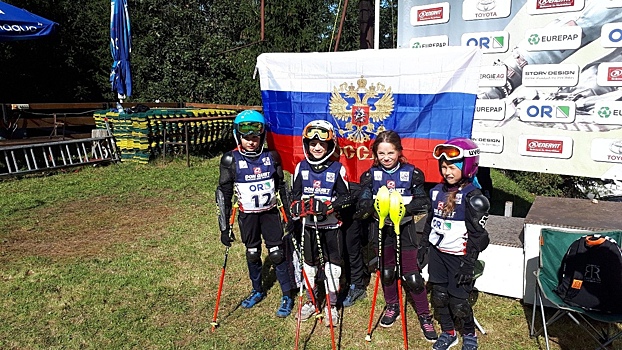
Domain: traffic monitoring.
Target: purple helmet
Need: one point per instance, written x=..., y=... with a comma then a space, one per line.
x=460, y=149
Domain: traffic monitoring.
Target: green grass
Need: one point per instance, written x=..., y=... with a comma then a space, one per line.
x=129, y=256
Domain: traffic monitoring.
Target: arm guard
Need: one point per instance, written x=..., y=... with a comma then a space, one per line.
x=224, y=211
x=477, y=215
x=420, y=202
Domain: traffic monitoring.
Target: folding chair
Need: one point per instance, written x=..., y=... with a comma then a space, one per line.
x=553, y=247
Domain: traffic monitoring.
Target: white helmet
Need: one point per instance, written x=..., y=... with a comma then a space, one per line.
x=319, y=130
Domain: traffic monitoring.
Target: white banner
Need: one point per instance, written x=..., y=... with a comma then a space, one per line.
x=550, y=91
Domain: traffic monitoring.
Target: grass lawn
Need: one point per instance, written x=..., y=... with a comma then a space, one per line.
x=129, y=256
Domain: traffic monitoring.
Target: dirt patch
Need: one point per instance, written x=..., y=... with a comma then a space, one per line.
x=85, y=228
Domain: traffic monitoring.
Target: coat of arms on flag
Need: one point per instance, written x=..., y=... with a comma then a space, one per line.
x=360, y=107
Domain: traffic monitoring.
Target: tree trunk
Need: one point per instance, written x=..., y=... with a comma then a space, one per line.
x=366, y=24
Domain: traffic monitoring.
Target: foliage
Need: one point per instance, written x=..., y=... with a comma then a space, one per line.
x=554, y=185
x=183, y=51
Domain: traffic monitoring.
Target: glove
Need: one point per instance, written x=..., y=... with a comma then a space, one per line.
x=226, y=238
x=297, y=209
x=317, y=207
x=365, y=209
x=465, y=272
x=422, y=255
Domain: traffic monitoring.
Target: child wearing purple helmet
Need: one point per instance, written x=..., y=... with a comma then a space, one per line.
x=454, y=235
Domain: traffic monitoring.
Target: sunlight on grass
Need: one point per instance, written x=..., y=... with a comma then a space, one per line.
x=129, y=256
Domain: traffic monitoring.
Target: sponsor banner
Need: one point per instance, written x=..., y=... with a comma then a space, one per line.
x=545, y=146
x=613, y=3
x=561, y=38
x=485, y=9
x=607, y=113
x=547, y=111
x=611, y=35
x=607, y=150
x=488, y=142
x=429, y=14
x=539, y=7
x=553, y=75
x=609, y=74
x=492, y=76
x=489, y=42
x=425, y=42
x=489, y=109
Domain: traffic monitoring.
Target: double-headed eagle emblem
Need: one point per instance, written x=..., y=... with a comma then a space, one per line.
x=361, y=106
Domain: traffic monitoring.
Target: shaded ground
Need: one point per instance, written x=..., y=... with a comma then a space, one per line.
x=83, y=228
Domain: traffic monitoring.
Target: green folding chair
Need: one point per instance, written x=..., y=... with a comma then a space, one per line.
x=553, y=247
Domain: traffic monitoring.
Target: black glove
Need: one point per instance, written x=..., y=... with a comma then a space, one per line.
x=314, y=206
x=364, y=209
x=422, y=255
x=226, y=238
x=465, y=272
x=297, y=209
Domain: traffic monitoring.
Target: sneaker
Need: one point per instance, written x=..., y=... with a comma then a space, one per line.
x=308, y=310
x=391, y=314
x=445, y=341
x=253, y=299
x=287, y=304
x=334, y=314
x=469, y=342
x=354, y=294
x=427, y=326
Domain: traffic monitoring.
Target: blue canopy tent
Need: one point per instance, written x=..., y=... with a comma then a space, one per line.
x=120, y=48
x=19, y=24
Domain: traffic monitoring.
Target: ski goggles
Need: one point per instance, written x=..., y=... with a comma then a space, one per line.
x=451, y=152
x=313, y=132
x=250, y=128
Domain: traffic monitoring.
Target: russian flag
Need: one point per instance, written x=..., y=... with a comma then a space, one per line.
x=426, y=95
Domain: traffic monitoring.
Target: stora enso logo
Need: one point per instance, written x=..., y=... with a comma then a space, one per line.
x=547, y=4
x=430, y=14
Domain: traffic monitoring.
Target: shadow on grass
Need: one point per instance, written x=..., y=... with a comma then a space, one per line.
x=499, y=198
x=568, y=335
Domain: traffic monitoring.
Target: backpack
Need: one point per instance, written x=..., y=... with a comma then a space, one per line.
x=590, y=275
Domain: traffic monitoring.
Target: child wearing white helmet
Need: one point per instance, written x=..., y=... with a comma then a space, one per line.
x=319, y=192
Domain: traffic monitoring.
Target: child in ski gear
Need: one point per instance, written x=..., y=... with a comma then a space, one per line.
x=255, y=175
x=391, y=169
x=319, y=192
x=454, y=235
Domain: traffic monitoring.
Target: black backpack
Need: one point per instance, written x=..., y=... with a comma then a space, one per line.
x=590, y=275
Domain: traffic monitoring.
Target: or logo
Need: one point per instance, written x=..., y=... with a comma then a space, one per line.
x=317, y=183
x=545, y=146
x=360, y=107
x=391, y=184
x=534, y=39
x=430, y=14
x=604, y=112
x=546, y=4
x=486, y=5
x=614, y=74
x=447, y=225
x=489, y=42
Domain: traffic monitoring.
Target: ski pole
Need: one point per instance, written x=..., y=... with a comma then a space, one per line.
x=381, y=204
x=214, y=322
x=328, y=306
x=302, y=269
x=397, y=212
